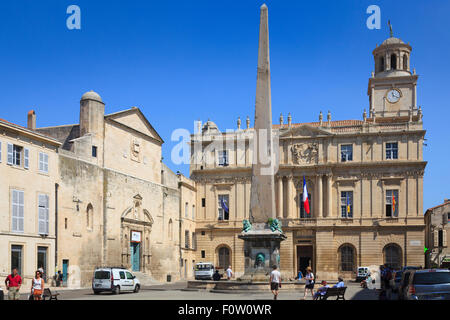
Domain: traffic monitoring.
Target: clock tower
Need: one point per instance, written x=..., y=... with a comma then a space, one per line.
x=392, y=87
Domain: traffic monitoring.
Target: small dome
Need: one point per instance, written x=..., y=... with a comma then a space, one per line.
x=392, y=40
x=91, y=95
x=210, y=127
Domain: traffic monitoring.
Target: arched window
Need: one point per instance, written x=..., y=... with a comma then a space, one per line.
x=405, y=62
x=347, y=258
x=393, y=256
x=224, y=257
x=89, y=216
x=170, y=230
x=393, y=62
x=381, y=65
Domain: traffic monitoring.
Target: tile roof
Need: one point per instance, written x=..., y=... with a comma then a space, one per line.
x=27, y=130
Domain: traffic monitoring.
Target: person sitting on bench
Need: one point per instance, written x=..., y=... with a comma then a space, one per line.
x=340, y=283
x=322, y=290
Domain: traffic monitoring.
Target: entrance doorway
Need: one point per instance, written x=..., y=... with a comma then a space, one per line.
x=65, y=272
x=135, y=256
x=304, y=258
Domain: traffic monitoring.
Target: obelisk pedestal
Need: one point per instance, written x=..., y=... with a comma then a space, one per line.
x=262, y=234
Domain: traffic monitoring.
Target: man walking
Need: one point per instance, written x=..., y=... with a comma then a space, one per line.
x=275, y=281
x=229, y=273
x=13, y=283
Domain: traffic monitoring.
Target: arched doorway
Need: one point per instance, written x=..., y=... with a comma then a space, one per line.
x=347, y=260
x=393, y=256
x=223, y=257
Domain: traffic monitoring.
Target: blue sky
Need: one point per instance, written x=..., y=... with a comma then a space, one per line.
x=180, y=61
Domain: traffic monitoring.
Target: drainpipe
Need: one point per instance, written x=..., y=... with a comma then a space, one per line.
x=56, y=224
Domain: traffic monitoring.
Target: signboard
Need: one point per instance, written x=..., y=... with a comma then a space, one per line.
x=415, y=243
x=135, y=236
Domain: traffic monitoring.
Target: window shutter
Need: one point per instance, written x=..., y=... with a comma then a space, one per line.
x=436, y=238
x=10, y=153
x=444, y=238
x=43, y=214
x=26, y=155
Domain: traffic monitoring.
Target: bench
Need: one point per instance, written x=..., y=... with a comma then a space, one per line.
x=334, y=292
x=50, y=295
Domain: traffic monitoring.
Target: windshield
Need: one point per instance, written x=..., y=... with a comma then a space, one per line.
x=431, y=278
x=102, y=275
x=203, y=267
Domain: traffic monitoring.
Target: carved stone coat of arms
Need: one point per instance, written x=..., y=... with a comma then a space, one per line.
x=305, y=152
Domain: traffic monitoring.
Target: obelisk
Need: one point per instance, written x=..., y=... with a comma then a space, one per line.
x=262, y=234
x=262, y=196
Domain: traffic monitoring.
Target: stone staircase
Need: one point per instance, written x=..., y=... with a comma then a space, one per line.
x=145, y=279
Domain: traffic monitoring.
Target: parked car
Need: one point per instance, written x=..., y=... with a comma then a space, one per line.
x=429, y=284
x=362, y=273
x=397, y=278
x=403, y=284
x=411, y=268
x=115, y=280
x=204, y=271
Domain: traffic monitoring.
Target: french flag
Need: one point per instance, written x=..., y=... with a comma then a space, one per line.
x=305, y=197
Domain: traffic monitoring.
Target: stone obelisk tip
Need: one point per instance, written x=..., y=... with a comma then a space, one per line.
x=264, y=7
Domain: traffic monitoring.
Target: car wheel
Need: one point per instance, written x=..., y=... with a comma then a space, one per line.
x=136, y=288
x=116, y=290
x=96, y=292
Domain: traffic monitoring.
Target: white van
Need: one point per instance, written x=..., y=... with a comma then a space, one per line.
x=114, y=280
x=204, y=271
x=362, y=273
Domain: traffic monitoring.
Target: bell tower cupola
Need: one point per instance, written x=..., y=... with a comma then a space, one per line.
x=392, y=86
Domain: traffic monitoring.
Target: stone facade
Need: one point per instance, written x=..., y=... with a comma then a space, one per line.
x=437, y=227
x=119, y=205
x=29, y=172
x=364, y=179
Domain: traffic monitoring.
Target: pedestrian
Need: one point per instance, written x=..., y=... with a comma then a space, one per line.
x=217, y=276
x=387, y=282
x=309, y=282
x=37, y=286
x=13, y=283
x=41, y=270
x=322, y=290
x=275, y=281
x=59, y=278
x=299, y=275
x=229, y=273
x=340, y=283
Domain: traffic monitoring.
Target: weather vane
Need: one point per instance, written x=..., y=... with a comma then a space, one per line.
x=390, y=28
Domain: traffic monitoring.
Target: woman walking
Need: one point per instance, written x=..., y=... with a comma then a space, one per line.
x=309, y=277
x=37, y=286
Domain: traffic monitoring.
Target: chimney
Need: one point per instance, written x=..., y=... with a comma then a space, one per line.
x=31, y=123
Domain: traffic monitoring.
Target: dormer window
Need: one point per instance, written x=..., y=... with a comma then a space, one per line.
x=223, y=158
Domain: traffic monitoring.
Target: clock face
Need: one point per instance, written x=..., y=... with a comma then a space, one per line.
x=393, y=95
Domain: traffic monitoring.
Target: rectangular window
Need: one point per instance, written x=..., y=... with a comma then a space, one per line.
x=186, y=239
x=203, y=254
x=303, y=213
x=94, y=151
x=194, y=241
x=203, y=202
x=346, y=152
x=347, y=204
x=193, y=212
x=186, y=206
x=122, y=274
x=392, y=150
x=15, y=155
x=223, y=158
x=16, y=258
x=43, y=214
x=203, y=233
x=42, y=259
x=224, y=207
x=43, y=162
x=17, y=209
x=391, y=203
